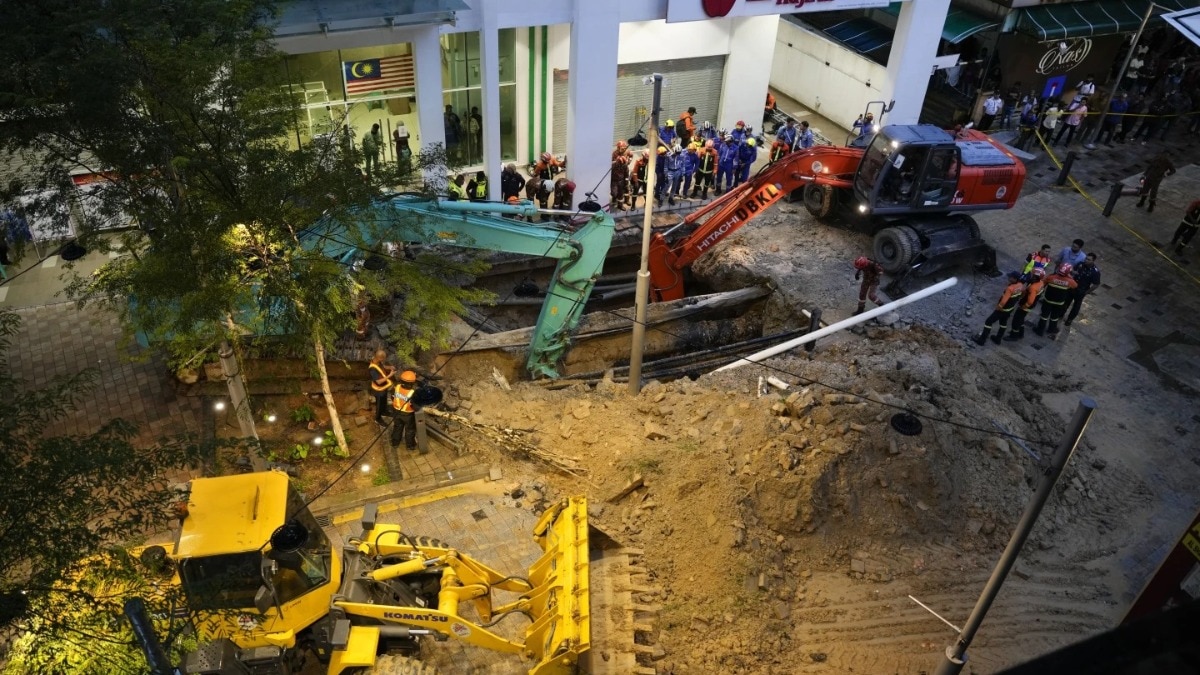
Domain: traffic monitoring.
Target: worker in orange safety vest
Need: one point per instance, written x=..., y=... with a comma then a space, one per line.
x=404, y=411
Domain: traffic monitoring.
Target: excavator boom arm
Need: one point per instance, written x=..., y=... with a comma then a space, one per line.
x=580, y=253
x=825, y=165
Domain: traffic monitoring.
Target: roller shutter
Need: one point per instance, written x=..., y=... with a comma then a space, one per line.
x=689, y=83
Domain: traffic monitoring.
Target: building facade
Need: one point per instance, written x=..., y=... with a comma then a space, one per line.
x=502, y=81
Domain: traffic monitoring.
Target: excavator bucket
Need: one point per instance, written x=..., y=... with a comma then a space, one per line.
x=586, y=619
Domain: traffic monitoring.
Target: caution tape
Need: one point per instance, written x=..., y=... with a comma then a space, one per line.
x=1079, y=188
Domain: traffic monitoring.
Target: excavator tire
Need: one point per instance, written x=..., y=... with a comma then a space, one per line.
x=394, y=664
x=895, y=248
x=819, y=200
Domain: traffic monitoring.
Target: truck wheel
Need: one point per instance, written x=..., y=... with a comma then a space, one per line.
x=394, y=664
x=819, y=200
x=895, y=248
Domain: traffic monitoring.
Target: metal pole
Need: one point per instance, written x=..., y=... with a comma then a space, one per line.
x=956, y=654
x=239, y=400
x=814, y=325
x=642, y=297
x=1121, y=74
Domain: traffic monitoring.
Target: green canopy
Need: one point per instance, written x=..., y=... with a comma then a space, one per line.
x=960, y=23
x=1088, y=19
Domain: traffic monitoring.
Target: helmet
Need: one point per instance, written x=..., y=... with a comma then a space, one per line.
x=1039, y=272
x=670, y=123
x=861, y=262
x=677, y=147
x=622, y=145
x=546, y=157
x=569, y=186
x=708, y=143
x=741, y=123
x=408, y=376
x=707, y=124
x=662, y=150
x=694, y=145
x=750, y=142
x=1064, y=268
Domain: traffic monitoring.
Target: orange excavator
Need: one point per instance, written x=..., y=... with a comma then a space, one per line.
x=912, y=187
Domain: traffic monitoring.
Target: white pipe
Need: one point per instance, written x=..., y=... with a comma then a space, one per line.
x=833, y=328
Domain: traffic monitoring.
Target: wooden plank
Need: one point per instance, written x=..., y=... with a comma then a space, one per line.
x=603, y=323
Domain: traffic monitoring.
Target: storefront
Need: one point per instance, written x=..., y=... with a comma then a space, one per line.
x=504, y=80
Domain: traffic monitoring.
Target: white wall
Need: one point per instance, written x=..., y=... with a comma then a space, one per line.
x=799, y=70
x=647, y=41
x=744, y=90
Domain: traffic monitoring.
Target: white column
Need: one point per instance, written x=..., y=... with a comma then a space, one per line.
x=747, y=70
x=910, y=62
x=592, y=96
x=489, y=80
x=427, y=49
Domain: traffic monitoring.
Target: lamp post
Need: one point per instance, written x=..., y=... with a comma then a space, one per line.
x=1124, y=66
x=642, y=294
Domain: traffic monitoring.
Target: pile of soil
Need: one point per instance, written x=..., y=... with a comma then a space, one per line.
x=785, y=528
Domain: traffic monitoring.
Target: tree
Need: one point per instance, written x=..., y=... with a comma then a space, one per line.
x=184, y=109
x=68, y=497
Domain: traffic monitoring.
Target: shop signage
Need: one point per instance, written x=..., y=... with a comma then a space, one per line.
x=1053, y=68
x=700, y=10
x=1061, y=57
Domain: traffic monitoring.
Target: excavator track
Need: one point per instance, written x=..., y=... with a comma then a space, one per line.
x=623, y=628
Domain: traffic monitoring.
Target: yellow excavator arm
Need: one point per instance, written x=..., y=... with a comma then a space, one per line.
x=555, y=596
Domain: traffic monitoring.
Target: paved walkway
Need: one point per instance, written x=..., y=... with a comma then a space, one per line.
x=60, y=340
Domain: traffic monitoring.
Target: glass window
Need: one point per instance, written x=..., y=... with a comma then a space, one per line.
x=222, y=581
x=871, y=165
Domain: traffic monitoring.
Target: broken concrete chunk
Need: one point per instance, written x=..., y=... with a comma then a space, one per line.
x=858, y=566
x=634, y=483
x=654, y=432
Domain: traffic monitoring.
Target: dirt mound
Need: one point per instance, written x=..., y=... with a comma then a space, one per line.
x=760, y=506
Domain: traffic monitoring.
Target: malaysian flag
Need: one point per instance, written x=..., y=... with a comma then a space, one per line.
x=384, y=74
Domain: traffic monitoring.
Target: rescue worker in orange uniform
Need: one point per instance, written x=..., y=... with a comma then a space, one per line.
x=381, y=384
x=706, y=168
x=870, y=272
x=1059, y=288
x=686, y=127
x=1009, y=299
x=618, y=182
x=1037, y=285
x=637, y=178
x=404, y=412
x=546, y=167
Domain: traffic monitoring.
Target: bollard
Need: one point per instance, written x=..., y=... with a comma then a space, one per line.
x=1113, y=195
x=814, y=324
x=1066, y=169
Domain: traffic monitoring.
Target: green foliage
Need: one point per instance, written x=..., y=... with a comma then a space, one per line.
x=381, y=476
x=78, y=625
x=330, y=448
x=300, y=451
x=67, y=495
x=304, y=414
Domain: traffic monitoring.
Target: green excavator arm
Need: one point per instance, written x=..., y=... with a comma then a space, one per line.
x=580, y=252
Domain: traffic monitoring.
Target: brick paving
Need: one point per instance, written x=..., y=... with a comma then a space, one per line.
x=60, y=340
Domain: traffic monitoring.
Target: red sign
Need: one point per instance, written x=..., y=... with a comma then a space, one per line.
x=701, y=10
x=717, y=8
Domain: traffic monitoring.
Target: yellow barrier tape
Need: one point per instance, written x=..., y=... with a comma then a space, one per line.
x=1079, y=188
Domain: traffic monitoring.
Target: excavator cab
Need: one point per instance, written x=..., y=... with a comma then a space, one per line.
x=908, y=169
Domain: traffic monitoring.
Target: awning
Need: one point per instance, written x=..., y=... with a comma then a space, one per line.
x=314, y=17
x=1088, y=19
x=960, y=23
x=861, y=34
x=1188, y=23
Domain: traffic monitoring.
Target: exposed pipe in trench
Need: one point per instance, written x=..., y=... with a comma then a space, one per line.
x=833, y=328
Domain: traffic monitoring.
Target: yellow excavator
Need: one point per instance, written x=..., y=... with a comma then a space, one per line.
x=267, y=591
